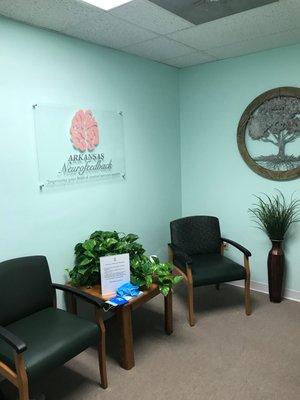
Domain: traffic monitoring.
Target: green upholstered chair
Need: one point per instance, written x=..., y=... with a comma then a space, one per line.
x=196, y=250
x=35, y=336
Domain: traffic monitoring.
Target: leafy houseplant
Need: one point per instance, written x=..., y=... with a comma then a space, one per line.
x=144, y=270
x=100, y=243
x=274, y=215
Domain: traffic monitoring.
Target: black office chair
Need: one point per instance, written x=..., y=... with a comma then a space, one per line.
x=196, y=250
x=35, y=336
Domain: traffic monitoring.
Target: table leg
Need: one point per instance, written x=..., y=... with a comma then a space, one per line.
x=101, y=349
x=71, y=304
x=168, y=313
x=127, y=353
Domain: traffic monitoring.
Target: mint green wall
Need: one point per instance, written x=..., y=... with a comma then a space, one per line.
x=38, y=66
x=215, y=179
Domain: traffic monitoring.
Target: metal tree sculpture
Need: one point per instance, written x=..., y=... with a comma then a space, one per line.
x=277, y=121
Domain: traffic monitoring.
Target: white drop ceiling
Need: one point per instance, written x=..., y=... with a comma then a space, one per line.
x=147, y=30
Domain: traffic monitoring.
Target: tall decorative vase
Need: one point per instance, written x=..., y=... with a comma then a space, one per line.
x=275, y=271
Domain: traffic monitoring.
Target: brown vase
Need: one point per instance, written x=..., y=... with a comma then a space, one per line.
x=275, y=271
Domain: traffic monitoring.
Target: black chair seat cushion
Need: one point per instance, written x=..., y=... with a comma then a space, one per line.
x=210, y=269
x=52, y=336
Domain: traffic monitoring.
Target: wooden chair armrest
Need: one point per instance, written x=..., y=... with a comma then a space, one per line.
x=238, y=246
x=79, y=293
x=11, y=339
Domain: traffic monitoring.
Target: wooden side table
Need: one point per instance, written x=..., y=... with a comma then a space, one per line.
x=124, y=316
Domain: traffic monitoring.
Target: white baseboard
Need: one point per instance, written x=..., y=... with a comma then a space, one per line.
x=263, y=288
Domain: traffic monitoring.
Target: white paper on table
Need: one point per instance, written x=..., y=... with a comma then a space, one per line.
x=114, y=271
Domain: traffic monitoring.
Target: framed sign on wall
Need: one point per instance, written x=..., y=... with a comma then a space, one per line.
x=269, y=134
x=78, y=145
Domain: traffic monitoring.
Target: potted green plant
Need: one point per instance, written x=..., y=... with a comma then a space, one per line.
x=274, y=215
x=148, y=270
x=144, y=270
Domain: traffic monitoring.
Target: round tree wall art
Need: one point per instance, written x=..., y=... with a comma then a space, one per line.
x=269, y=134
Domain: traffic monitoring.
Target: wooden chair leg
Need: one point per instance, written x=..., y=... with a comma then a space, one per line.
x=191, y=305
x=248, y=306
x=188, y=278
x=102, y=351
x=22, y=379
x=190, y=296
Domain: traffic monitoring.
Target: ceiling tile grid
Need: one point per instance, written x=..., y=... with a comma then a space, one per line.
x=198, y=57
x=159, y=49
x=78, y=19
x=258, y=44
x=261, y=21
x=143, y=28
x=106, y=29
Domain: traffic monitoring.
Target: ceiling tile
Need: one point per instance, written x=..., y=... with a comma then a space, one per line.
x=150, y=16
x=187, y=60
x=261, y=21
x=266, y=27
x=77, y=19
x=201, y=11
x=46, y=13
x=159, y=49
x=108, y=31
x=257, y=44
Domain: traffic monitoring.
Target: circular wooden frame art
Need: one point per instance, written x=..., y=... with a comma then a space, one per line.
x=272, y=122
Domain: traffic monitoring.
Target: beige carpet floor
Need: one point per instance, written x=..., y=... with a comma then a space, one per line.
x=226, y=356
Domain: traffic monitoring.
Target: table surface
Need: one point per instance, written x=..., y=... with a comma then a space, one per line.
x=148, y=293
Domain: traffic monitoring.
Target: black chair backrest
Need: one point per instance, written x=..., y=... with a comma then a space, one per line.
x=199, y=234
x=25, y=288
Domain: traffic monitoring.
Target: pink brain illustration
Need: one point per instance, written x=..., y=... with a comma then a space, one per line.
x=84, y=131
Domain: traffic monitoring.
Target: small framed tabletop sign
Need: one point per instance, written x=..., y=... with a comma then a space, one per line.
x=114, y=271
